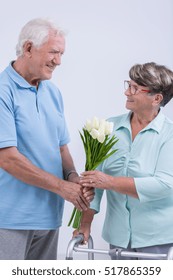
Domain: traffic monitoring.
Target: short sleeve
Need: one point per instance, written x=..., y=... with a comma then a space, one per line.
x=7, y=121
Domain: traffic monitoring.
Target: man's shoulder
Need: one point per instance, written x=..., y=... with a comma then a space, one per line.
x=50, y=85
x=52, y=89
x=5, y=83
x=3, y=74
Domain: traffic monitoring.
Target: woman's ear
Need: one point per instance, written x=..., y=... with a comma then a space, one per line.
x=158, y=97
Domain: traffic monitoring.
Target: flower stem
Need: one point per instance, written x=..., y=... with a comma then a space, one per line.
x=72, y=216
x=75, y=218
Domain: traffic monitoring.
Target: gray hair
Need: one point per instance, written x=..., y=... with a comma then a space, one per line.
x=158, y=78
x=36, y=31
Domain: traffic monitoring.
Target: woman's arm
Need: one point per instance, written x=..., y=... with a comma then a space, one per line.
x=98, y=179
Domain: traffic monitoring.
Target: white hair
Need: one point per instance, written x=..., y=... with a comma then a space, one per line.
x=36, y=31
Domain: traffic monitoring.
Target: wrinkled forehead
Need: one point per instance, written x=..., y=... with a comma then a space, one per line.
x=56, y=39
x=56, y=32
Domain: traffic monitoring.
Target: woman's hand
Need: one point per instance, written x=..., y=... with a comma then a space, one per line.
x=100, y=180
x=96, y=179
x=88, y=193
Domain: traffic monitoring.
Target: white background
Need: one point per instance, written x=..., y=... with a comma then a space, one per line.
x=105, y=38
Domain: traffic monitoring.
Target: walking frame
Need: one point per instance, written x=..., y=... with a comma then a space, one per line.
x=74, y=243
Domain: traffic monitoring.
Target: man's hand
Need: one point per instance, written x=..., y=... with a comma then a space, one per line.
x=85, y=229
x=88, y=193
x=85, y=226
x=16, y=164
x=74, y=193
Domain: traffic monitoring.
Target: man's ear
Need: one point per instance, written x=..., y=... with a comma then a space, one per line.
x=27, y=48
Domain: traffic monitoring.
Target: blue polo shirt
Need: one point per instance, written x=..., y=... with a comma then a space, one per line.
x=146, y=221
x=33, y=121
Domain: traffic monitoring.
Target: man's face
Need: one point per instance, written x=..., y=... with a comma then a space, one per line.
x=44, y=59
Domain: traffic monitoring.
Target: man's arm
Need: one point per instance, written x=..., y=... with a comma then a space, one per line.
x=13, y=162
x=69, y=169
x=85, y=225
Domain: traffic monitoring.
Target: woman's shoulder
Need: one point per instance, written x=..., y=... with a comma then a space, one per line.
x=118, y=118
x=168, y=121
x=168, y=126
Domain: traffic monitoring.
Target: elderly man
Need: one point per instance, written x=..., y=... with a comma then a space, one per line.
x=34, y=156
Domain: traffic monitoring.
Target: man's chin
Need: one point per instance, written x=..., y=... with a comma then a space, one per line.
x=48, y=76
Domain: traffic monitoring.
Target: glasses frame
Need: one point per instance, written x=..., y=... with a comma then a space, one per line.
x=136, y=90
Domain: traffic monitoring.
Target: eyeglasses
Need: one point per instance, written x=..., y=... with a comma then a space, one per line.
x=134, y=89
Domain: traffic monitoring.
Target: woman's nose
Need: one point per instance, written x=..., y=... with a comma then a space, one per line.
x=127, y=92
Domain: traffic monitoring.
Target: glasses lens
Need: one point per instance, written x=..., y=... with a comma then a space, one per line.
x=126, y=85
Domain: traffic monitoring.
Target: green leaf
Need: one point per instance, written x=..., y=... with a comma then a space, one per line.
x=72, y=216
x=77, y=219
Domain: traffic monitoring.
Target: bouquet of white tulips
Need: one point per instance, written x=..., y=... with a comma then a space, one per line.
x=98, y=147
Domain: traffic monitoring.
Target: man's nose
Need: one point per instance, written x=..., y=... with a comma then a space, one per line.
x=57, y=59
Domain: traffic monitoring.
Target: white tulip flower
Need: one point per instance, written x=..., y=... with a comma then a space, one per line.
x=88, y=125
x=109, y=127
x=101, y=137
x=95, y=123
x=94, y=133
x=102, y=126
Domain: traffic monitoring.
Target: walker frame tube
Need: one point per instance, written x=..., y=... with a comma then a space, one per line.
x=76, y=241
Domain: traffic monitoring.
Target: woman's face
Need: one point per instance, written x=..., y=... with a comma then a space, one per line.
x=138, y=99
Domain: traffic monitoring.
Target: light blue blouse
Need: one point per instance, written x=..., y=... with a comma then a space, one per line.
x=148, y=159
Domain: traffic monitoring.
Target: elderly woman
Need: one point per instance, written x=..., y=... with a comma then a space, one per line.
x=138, y=179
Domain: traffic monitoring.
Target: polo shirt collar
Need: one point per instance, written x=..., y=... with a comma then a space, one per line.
x=155, y=124
x=17, y=78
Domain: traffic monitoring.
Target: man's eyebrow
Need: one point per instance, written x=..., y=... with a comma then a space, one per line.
x=57, y=51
